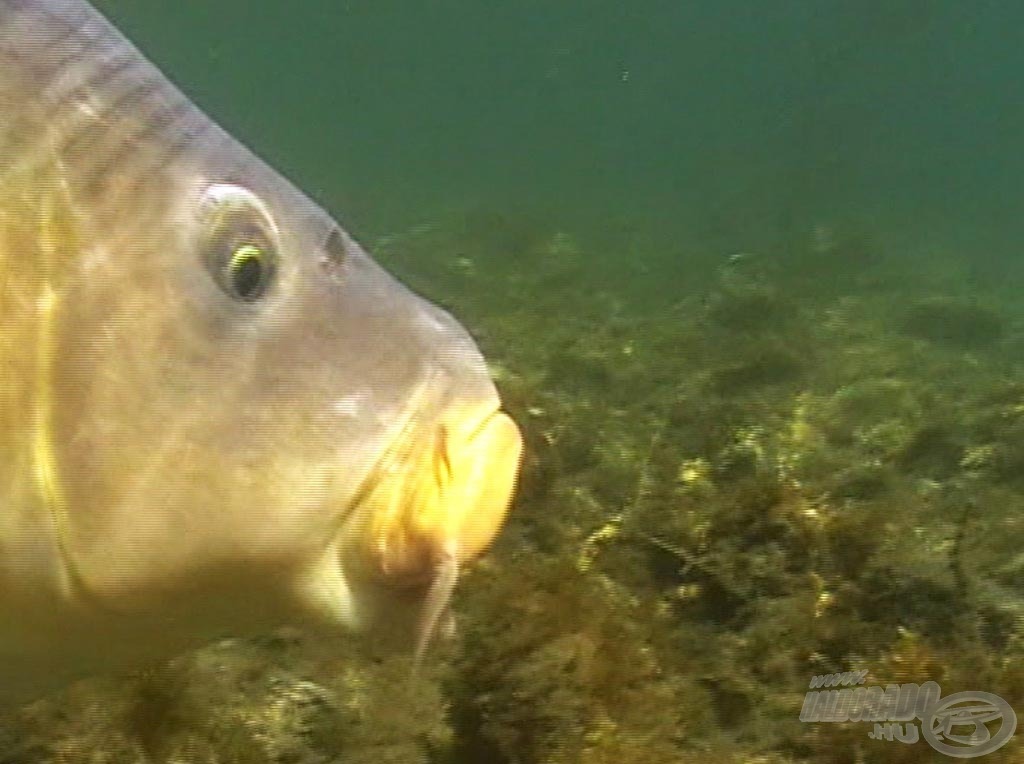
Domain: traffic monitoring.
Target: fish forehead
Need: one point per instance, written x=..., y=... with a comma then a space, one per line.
x=124, y=137
x=172, y=433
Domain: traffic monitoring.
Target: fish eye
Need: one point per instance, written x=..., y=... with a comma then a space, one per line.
x=238, y=242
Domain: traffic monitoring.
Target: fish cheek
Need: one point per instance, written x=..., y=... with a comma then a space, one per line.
x=134, y=471
x=187, y=437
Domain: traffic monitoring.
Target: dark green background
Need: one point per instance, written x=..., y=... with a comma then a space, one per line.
x=720, y=122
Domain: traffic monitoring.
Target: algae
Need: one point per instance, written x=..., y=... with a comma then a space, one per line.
x=725, y=492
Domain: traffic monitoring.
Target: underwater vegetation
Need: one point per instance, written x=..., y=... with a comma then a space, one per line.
x=729, y=487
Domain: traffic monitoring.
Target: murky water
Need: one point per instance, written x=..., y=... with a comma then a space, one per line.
x=748, y=274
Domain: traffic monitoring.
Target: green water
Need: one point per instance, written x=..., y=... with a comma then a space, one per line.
x=720, y=123
x=748, y=273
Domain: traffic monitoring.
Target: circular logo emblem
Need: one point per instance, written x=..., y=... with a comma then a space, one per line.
x=958, y=725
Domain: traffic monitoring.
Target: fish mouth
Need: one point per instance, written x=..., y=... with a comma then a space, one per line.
x=435, y=501
x=440, y=493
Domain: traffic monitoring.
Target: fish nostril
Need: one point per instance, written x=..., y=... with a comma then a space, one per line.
x=334, y=254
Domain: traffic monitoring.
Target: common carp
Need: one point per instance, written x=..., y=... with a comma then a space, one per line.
x=218, y=414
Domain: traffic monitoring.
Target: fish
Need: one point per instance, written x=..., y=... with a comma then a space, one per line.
x=218, y=413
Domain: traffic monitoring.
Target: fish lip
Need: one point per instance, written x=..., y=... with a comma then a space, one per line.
x=436, y=441
x=411, y=598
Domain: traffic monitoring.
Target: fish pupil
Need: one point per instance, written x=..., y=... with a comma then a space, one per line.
x=247, y=272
